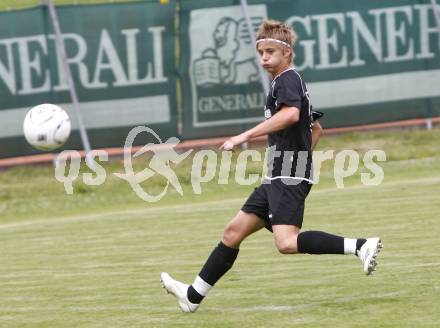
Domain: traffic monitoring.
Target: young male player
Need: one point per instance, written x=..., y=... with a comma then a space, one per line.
x=278, y=203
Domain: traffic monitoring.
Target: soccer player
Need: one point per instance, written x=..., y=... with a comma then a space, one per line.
x=278, y=203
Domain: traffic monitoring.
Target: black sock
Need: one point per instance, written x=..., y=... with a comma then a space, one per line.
x=359, y=244
x=218, y=263
x=193, y=296
x=318, y=242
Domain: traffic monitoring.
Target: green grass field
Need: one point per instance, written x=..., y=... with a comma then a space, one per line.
x=93, y=259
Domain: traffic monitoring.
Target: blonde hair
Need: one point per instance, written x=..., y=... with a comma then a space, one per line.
x=271, y=29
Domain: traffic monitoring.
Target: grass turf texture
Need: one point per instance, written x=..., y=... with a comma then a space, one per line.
x=93, y=259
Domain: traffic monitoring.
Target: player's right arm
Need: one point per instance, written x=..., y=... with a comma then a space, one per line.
x=281, y=120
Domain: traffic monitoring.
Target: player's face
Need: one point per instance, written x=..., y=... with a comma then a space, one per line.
x=273, y=57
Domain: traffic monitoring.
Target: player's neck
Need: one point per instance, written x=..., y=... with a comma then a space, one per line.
x=280, y=69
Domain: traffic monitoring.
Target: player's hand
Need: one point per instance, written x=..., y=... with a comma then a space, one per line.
x=227, y=145
x=232, y=142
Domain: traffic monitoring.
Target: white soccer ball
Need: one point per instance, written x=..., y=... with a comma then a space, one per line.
x=46, y=127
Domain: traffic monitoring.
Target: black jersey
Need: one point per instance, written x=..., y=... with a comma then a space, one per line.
x=290, y=149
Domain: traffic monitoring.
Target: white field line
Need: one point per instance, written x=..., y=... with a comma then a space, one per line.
x=404, y=267
x=310, y=304
x=193, y=208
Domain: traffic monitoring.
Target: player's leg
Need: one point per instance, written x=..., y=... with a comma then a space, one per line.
x=286, y=213
x=289, y=240
x=241, y=226
x=285, y=237
x=218, y=263
x=251, y=218
x=223, y=256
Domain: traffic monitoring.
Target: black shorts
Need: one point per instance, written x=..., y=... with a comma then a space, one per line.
x=278, y=203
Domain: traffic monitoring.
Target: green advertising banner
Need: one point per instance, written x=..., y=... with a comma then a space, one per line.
x=122, y=58
x=364, y=61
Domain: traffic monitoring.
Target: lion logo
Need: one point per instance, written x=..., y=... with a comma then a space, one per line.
x=232, y=59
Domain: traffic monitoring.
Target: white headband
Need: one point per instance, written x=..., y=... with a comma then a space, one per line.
x=273, y=40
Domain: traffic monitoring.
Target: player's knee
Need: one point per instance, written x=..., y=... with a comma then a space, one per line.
x=232, y=236
x=286, y=246
x=283, y=247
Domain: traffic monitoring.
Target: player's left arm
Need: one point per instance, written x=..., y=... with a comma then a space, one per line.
x=317, y=131
x=316, y=127
x=285, y=117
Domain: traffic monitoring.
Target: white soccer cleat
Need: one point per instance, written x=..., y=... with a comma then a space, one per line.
x=368, y=254
x=179, y=290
